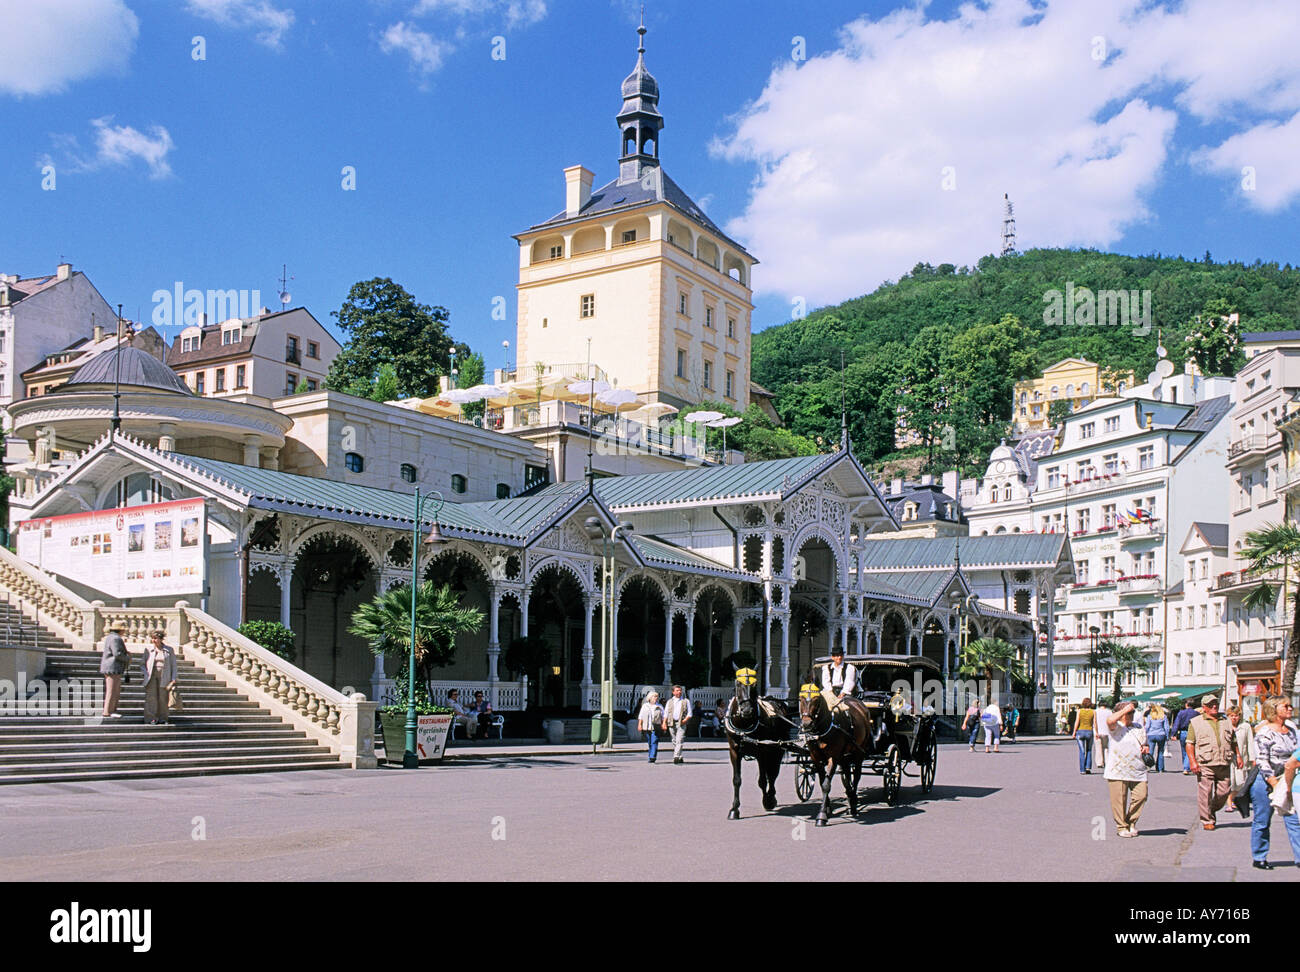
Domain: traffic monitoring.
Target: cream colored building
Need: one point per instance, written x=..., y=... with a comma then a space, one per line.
x=267, y=356
x=634, y=276
x=1072, y=379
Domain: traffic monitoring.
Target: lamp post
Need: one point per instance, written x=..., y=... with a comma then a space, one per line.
x=1093, y=631
x=410, y=760
x=596, y=530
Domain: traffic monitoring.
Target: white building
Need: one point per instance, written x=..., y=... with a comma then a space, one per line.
x=1196, y=643
x=42, y=315
x=1265, y=389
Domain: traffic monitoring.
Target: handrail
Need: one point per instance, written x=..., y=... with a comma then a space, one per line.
x=54, y=602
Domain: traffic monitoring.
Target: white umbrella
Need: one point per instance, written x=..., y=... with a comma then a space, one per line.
x=724, y=424
x=583, y=389
x=658, y=408
x=488, y=391
x=703, y=416
x=462, y=396
x=617, y=398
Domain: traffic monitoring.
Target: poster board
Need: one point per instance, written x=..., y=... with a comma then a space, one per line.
x=136, y=551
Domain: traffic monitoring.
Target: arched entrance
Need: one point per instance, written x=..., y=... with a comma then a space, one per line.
x=332, y=577
x=933, y=639
x=555, y=614
x=641, y=625
x=713, y=637
x=893, y=634
x=468, y=580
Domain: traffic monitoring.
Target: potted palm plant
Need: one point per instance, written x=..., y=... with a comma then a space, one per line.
x=385, y=624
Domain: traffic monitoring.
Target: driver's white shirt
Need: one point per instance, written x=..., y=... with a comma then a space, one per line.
x=846, y=672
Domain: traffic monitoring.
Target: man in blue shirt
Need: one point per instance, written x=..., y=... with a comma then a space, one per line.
x=1181, y=722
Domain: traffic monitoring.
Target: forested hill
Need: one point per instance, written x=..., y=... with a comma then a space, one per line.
x=921, y=344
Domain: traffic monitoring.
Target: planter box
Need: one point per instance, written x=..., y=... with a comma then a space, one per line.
x=431, y=734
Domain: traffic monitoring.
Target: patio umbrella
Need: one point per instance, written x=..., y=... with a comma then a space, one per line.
x=488, y=391
x=462, y=397
x=580, y=391
x=658, y=408
x=724, y=424
x=438, y=406
x=619, y=400
x=704, y=416
x=515, y=393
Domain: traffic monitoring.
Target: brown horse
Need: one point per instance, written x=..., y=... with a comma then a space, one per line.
x=755, y=728
x=837, y=740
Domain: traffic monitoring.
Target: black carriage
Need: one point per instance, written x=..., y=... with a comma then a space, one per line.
x=905, y=730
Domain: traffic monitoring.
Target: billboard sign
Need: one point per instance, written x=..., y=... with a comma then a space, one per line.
x=136, y=551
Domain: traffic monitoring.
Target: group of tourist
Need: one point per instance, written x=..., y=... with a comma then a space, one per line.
x=158, y=670
x=672, y=717
x=1249, y=769
x=990, y=718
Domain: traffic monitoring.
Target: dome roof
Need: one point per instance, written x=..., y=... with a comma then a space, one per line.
x=139, y=369
x=640, y=83
x=1003, y=451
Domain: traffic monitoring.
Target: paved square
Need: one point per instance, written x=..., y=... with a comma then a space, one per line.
x=1025, y=813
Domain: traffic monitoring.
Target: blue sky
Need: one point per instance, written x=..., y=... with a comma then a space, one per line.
x=1111, y=123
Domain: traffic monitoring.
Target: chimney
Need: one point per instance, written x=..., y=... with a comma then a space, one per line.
x=99, y=333
x=65, y=271
x=577, y=189
x=952, y=483
x=896, y=487
x=927, y=479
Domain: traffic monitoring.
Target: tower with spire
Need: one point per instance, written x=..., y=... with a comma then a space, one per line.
x=639, y=268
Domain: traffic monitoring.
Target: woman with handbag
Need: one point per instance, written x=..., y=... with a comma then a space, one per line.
x=1156, y=727
x=159, y=679
x=1246, y=746
x=1275, y=741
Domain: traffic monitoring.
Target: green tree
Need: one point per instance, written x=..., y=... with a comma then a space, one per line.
x=690, y=668
x=758, y=437
x=301, y=387
x=386, y=387
x=384, y=623
x=1058, y=411
x=1213, y=340
x=982, y=365
x=924, y=399
x=472, y=371
x=1275, y=547
x=383, y=324
x=990, y=657
x=1125, y=659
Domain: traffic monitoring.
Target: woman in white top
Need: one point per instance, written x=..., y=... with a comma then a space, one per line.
x=648, y=719
x=991, y=719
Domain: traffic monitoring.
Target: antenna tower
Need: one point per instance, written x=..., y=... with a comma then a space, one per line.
x=1008, y=227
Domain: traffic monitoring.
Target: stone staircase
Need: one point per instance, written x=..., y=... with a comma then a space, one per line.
x=221, y=730
x=15, y=629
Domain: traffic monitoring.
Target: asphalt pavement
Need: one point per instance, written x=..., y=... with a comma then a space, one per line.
x=562, y=813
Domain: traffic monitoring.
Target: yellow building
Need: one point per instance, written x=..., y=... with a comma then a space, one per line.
x=639, y=269
x=1072, y=379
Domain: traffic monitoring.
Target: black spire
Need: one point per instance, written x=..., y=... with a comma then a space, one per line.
x=639, y=120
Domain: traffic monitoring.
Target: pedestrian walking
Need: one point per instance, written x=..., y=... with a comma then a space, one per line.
x=972, y=721
x=677, y=712
x=1082, y=733
x=1156, y=726
x=1275, y=740
x=1246, y=747
x=1181, y=722
x=1012, y=722
x=1102, y=722
x=648, y=720
x=159, y=679
x=113, y=665
x=1212, y=747
x=991, y=719
x=1126, y=768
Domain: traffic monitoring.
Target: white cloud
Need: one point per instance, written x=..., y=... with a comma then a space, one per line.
x=115, y=145
x=854, y=146
x=426, y=53
x=1262, y=161
x=270, y=22
x=47, y=44
x=515, y=13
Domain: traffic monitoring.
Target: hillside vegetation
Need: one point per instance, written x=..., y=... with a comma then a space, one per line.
x=944, y=345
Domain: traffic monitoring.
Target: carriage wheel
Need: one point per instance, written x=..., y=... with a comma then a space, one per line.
x=893, y=775
x=928, y=768
x=803, y=779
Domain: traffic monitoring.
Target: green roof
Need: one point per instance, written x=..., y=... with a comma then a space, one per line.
x=932, y=553
x=270, y=489
x=654, y=550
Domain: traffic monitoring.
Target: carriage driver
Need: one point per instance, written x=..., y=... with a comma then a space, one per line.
x=838, y=679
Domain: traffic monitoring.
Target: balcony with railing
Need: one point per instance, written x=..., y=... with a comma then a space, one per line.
x=1256, y=648
x=1135, y=532
x=1253, y=445
x=1140, y=584
x=1234, y=580
x=292, y=355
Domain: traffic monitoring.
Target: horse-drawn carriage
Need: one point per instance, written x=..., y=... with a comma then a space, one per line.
x=879, y=729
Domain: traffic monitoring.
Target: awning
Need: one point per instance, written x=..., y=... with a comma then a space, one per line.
x=1173, y=695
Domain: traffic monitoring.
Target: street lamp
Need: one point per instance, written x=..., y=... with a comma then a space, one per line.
x=596, y=531
x=1093, y=631
x=435, y=539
